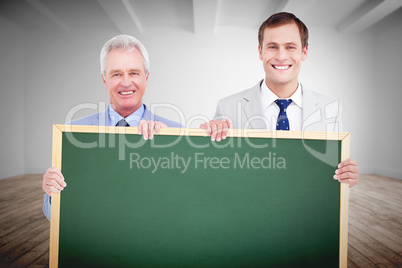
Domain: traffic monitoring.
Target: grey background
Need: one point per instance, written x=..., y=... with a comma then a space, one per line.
x=200, y=51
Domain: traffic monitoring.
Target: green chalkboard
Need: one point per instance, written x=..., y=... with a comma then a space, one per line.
x=184, y=201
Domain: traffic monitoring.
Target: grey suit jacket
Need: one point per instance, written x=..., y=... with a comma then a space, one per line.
x=320, y=112
x=102, y=119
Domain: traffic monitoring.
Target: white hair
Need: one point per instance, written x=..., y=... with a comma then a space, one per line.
x=124, y=43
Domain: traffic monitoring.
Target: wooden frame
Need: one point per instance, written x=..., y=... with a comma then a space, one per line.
x=344, y=137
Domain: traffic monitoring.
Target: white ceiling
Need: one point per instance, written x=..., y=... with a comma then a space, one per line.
x=195, y=16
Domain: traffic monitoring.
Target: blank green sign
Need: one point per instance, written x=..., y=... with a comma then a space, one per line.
x=170, y=203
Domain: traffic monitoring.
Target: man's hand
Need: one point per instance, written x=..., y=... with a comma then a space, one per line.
x=148, y=128
x=53, y=181
x=217, y=129
x=347, y=172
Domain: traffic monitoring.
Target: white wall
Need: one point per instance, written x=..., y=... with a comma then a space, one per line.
x=193, y=72
x=340, y=65
x=11, y=99
x=387, y=94
x=61, y=72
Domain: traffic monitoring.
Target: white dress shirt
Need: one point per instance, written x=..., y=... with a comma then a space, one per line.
x=271, y=109
x=133, y=119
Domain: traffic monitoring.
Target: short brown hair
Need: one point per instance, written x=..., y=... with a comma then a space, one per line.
x=282, y=18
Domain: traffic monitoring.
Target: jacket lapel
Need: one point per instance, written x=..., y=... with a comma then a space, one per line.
x=252, y=107
x=312, y=112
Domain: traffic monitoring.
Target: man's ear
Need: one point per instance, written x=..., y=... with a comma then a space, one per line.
x=104, y=81
x=260, y=52
x=304, y=53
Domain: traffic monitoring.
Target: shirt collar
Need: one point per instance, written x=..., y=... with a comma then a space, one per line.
x=268, y=97
x=133, y=119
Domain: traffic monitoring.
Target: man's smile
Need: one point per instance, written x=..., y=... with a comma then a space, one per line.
x=281, y=67
x=126, y=92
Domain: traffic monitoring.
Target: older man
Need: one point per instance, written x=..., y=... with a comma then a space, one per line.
x=125, y=71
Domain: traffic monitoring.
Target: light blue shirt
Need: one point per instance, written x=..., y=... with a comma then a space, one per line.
x=133, y=119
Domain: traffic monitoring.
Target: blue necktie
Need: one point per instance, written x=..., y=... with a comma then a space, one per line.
x=122, y=123
x=283, y=121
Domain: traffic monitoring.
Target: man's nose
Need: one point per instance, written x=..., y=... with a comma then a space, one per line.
x=125, y=80
x=281, y=54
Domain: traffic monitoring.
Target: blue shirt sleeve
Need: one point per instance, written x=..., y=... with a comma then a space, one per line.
x=46, y=206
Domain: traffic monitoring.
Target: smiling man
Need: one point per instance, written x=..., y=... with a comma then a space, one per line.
x=125, y=80
x=280, y=102
x=125, y=70
x=282, y=52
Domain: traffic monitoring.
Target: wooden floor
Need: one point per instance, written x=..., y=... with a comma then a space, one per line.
x=375, y=223
x=24, y=230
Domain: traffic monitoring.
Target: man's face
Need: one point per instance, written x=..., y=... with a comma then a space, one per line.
x=281, y=54
x=125, y=80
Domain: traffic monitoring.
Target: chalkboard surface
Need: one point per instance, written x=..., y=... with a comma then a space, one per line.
x=188, y=202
